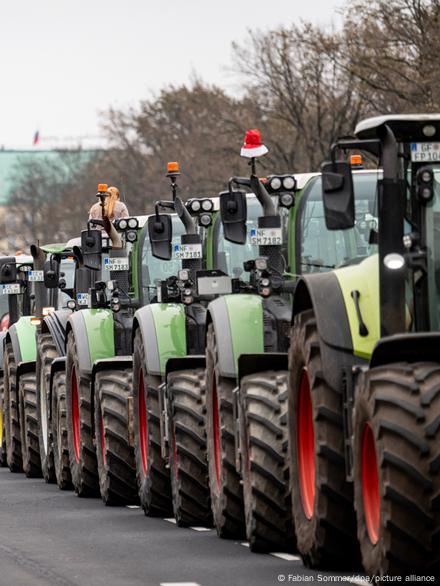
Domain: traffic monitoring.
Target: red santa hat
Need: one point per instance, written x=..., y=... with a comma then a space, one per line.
x=252, y=146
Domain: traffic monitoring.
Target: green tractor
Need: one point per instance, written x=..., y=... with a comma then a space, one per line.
x=364, y=369
x=248, y=340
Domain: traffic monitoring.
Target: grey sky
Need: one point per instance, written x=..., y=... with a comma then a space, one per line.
x=63, y=61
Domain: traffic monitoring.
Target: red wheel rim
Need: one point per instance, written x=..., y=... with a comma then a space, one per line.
x=76, y=422
x=104, y=458
x=143, y=427
x=370, y=484
x=216, y=431
x=306, y=446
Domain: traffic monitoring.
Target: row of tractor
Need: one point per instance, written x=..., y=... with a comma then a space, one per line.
x=266, y=361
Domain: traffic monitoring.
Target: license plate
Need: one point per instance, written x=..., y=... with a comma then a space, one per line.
x=266, y=236
x=116, y=264
x=10, y=289
x=425, y=152
x=36, y=276
x=82, y=298
x=187, y=251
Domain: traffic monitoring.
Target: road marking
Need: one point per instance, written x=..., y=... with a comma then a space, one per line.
x=133, y=507
x=173, y=521
x=286, y=556
x=245, y=544
x=179, y=584
x=201, y=529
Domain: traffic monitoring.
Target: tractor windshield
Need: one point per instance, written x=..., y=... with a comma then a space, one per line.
x=154, y=269
x=321, y=249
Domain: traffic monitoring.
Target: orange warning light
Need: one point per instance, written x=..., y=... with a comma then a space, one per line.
x=173, y=167
x=356, y=161
x=102, y=187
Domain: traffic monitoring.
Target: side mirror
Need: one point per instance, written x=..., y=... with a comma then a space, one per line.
x=8, y=270
x=338, y=195
x=91, y=246
x=51, y=274
x=160, y=232
x=233, y=214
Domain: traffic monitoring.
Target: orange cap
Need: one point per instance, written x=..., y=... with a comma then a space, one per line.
x=102, y=187
x=356, y=160
x=173, y=167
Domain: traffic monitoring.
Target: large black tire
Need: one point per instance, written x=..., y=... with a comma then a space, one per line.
x=59, y=432
x=82, y=453
x=263, y=443
x=224, y=481
x=3, y=459
x=116, y=463
x=322, y=499
x=46, y=352
x=396, y=468
x=153, y=476
x=30, y=447
x=12, y=422
x=187, y=437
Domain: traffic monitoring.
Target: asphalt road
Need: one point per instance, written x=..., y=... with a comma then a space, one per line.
x=49, y=537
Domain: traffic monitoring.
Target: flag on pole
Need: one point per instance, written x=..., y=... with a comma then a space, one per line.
x=36, y=139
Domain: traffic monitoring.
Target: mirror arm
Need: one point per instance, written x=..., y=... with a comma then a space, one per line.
x=185, y=216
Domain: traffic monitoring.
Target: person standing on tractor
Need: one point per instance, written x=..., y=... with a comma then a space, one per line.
x=114, y=208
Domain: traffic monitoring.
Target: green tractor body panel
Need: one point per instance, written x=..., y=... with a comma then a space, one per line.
x=364, y=278
x=245, y=313
x=26, y=338
x=53, y=248
x=170, y=331
x=100, y=333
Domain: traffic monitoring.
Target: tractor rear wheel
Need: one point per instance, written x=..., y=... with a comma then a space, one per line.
x=187, y=437
x=12, y=422
x=30, y=447
x=82, y=453
x=116, y=463
x=396, y=456
x=322, y=499
x=3, y=460
x=46, y=352
x=153, y=476
x=263, y=444
x=225, y=487
x=59, y=432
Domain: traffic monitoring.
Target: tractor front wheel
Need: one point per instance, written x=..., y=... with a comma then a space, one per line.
x=322, y=499
x=10, y=402
x=153, y=476
x=263, y=443
x=30, y=447
x=225, y=487
x=59, y=432
x=187, y=437
x=3, y=460
x=116, y=463
x=396, y=454
x=82, y=453
x=46, y=352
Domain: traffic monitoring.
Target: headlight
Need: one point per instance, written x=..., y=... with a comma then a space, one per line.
x=131, y=236
x=133, y=223
x=275, y=183
x=394, y=261
x=286, y=200
x=122, y=224
x=188, y=299
x=261, y=263
x=195, y=205
x=289, y=183
x=71, y=304
x=207, y=205
x=205, y=220
x=115, y=304
x=183, y=275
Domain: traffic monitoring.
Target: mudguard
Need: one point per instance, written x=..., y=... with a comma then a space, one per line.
x=238, y=326
x=55, y=324
x=185, y=363
x=94, y=335
x=252, y=363
x=163, y=330
x=22, y=336
x=412, y=347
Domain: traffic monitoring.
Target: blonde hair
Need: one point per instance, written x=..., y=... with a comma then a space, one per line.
x=110, y=201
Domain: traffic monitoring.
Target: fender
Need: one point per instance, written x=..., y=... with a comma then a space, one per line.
x=94, y=335
x=163, y=330
x=58, y=365
x=413, y=347
x=24, y=368
x=2, y=348
x=252, y=363
x=55, y=324
x=185, y=363
x=238, y=326
x=22, y=336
